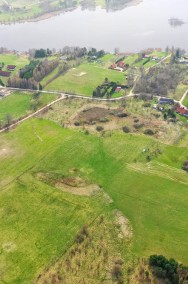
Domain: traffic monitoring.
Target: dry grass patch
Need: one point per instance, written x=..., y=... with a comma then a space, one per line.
x=95, y=257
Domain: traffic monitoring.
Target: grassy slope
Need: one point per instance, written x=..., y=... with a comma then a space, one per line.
x=155, y=205
x=19, y=104
x=84, y=85
x=185, y=102
x=13, y=59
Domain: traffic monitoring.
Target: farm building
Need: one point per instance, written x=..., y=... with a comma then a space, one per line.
x=181, y=110
x=5, y=73
x=11, y=67
x=168, y=101
x=121, y=64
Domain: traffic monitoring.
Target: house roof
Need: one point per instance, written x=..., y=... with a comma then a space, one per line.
x=121, y=64
x=11, y=66
x=5, y=73
x=113, y=66
x=181, y=110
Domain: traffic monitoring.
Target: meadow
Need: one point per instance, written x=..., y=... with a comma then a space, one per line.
x=84, y=79
x=19, y=104
x=39, y=221
x=13, y=59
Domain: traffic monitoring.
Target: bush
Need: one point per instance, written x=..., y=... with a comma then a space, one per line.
x=117, y=273
x=77, y=123
x=185, y=166
x=138, y=125
x=99, y=128
x=122, y=114
x=103, y=119
x=149, y=132
x=126, y=129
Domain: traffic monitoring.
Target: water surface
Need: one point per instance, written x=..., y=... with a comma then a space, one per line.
x=130, y=28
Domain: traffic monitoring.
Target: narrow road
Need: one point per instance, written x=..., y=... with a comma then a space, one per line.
x=32, y=114
x=183, y=97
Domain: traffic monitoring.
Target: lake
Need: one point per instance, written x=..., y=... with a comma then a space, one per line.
x=130, y=28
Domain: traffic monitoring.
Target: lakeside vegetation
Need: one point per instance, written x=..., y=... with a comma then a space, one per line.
x=17, y=10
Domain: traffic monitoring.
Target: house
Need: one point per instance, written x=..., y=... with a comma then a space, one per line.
x=113, y=66
x=118, y=89
x=181, y=110
x=5, y=73
x=147, y=56
x=11, y=67
x=168, y=101
x=121, y=64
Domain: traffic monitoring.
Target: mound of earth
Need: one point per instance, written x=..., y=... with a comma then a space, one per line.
x=73, y=184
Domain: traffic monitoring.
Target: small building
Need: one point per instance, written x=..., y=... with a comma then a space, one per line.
x=118, y=89
x=5, y=73
x=113, y=66
x=181, y=110
x=11, y=67
x=121, y=64
x=163, y=101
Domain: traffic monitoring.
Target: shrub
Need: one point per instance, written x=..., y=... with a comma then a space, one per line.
x=138, y=125
x=122, y=114
x=103, y=119
x=185, y=166
x=117, y=273
x=99, y=128
x=136, y=120
x=126, y=129
x=149, y=132
x=77, y=123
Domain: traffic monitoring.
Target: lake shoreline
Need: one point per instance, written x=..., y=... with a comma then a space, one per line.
x=52, y=14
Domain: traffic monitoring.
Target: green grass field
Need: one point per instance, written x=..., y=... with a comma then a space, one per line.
x=13, y=59
x=38, y=220
x=84, y=79
x=185, y=102
x=19, y=103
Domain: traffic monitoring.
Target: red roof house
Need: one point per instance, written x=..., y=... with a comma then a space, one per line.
x=121, y=64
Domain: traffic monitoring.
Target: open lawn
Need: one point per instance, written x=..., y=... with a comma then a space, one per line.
x=13, y=59
x=84, y=79
x=39, y=220
x=20, y=103
x=185, y=102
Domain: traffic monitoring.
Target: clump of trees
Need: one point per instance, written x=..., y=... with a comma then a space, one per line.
x=30, y=76
x=161, y=79
x=94, y=53
x=164, y=268
x=44, y=68
x=168, y=269
x=40, y=53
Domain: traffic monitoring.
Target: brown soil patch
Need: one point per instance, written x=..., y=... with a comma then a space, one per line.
x=74, y=181
x=87, y=190
x=74, y=184
x=96, y=114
